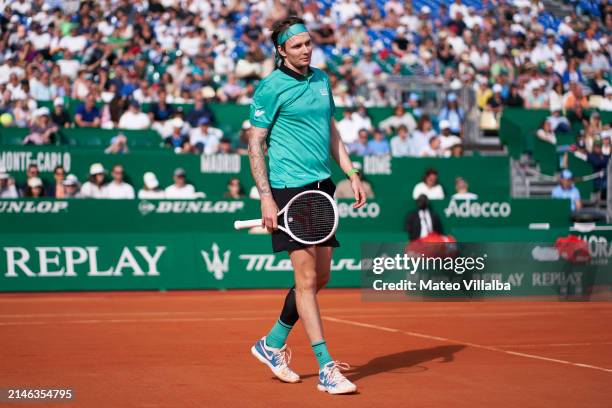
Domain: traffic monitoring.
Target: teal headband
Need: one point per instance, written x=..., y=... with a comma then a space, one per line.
x=290, y=32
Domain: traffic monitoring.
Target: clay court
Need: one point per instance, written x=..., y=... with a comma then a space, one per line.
x=191, y=349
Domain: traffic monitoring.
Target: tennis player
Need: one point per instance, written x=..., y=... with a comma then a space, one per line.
x=293, y=110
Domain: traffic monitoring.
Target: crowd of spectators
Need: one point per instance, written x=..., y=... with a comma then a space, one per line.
x=97, y=186
x=115, y=56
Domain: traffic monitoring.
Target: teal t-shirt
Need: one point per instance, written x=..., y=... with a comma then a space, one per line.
x=298, y=111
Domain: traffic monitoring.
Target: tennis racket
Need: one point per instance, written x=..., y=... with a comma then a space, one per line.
x=311, y=217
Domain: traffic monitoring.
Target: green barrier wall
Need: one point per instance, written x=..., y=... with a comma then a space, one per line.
x=210, y=173
x=216, y=216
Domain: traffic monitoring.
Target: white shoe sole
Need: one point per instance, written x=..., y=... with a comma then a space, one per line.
x=322, y=388
x=266, y=362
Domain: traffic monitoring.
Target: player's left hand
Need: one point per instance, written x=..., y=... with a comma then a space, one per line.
x=360, y=195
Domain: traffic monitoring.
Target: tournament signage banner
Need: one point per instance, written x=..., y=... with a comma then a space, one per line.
x=53, y=262
x=208, y=215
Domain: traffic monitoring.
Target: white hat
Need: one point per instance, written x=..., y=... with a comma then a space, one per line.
x=71, y=180
x=608, y=90
x=246, y=124
x=34, y=182
x=401, y=30
x=177, y=123
x=425, y=10
x=208, y=92
x=44, y=111
x=444, y=124
x=96, y=168
x=150, y=180
x=59, y=101
x=497, y=88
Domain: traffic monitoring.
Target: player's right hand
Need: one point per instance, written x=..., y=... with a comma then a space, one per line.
x=269, y=213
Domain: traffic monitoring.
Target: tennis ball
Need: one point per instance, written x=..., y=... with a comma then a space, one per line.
x=6, y=119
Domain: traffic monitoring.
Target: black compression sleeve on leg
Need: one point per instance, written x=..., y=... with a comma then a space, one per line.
x=289, y=314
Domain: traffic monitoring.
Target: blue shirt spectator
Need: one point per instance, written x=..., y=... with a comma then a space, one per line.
x=88, y=114
x=379, y=145
x=454, y=114
x=567, y=190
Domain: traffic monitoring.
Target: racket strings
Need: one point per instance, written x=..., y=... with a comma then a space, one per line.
x=311, y=217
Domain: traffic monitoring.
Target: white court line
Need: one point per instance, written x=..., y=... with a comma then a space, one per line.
x=605, y=343
x=466, y=343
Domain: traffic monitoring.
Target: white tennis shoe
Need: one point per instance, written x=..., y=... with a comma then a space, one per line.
x=277, y=359
x=333, y=381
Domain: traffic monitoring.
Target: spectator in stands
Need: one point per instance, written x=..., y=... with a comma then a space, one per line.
x=400, y=143
x=362, y=119
x=118, y=188
x=514, y=98
x=71, y=187
x=606, y=103
x=359, y=147
x=558, y=122
x=567, y=190
x=178, y=137
x=205, y=138
x=41, y=129
x=199, y=111
x=35, y=188
x=180, y=189
x=31, y=172
x=134, y=118
x=234, y=189
x=348, y=127
x=456, y=150
x=422, y=221
x=599, y=163
x=454, y=114
x=88, y=114
x=447, y=139
x=400, y=117
x=59, y=116
x=160, y=111
x=575, y=98
x=379, y=145
x=429, y=186
x=462, y=190
x=56, y=189
x=606, y=143
x=421, y=136
x=433, y=148
x=118, y=144
x=555, y=97
x=150, y=189
x=7, y=185
x=95, y=187
x=243, y=138
x=225, y=146
x=546, y=133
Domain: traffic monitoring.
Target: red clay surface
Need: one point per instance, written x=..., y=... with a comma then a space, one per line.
x=191, y=349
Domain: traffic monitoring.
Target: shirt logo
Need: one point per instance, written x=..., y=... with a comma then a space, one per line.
x=323, y=91
x=259, y=112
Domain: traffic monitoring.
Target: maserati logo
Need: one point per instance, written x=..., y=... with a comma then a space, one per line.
x=215, y=264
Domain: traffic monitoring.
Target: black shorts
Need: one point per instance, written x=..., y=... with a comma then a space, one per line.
x=281, y=241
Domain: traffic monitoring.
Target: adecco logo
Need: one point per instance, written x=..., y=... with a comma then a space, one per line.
x=469, y=209
x=370, y=210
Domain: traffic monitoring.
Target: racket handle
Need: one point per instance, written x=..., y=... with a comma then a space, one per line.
x=247, y=224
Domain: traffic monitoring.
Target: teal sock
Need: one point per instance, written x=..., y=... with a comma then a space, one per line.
x=320, y=350
x=278, y=335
